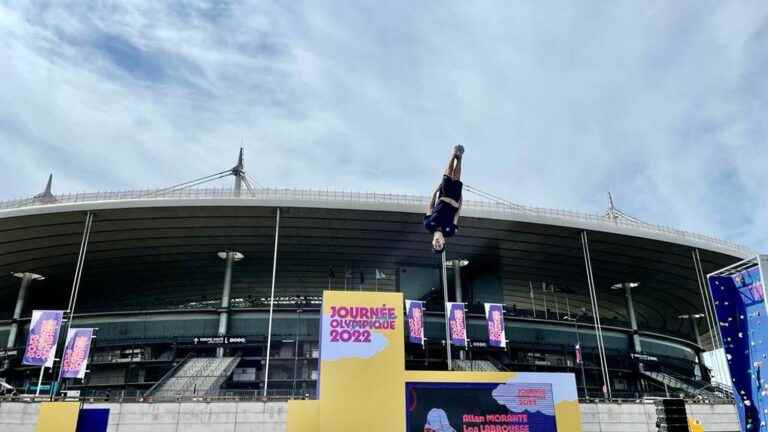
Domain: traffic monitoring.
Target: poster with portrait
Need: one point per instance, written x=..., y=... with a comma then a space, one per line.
x=480, y=407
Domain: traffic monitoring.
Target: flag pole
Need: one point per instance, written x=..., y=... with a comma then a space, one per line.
x=447, y=312
x=40, y=381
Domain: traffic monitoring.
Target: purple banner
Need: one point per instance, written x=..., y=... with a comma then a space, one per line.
x=494, y=317
x=42, y=338
x=457, y=323
x=76, y=352
x=415, y=312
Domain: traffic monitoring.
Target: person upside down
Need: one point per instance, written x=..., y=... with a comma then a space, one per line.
x=445, y=205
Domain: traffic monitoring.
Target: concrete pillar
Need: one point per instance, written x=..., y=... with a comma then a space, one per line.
x=699, y=353
x=229, y=258
x=26, y=279
x=632, y=318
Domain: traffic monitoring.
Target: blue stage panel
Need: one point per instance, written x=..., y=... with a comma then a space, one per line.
x=741, y=315
x=93, y=420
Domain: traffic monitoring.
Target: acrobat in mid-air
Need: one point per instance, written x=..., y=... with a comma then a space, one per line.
x=445, y=205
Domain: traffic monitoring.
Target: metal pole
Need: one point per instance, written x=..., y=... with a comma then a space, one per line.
x=238, y=173
x=225, y=294
x=296, y=352
x=581, y=363
x=271, y=302
x=445, y=304
x=533, y=302
x=596, y=314
x=40, y=381
x=456, y=264
x=709, y=315
x=75, y=290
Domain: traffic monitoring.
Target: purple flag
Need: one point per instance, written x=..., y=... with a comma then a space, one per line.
x=76, y=352
x=415, y=310
x=43, y=337
x=457, y=324
x=494, y=317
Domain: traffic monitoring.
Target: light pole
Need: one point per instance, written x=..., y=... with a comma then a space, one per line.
x=637, y=348
x=26, y=280
x=229, y=258
x=697, y=336
x=627, y=287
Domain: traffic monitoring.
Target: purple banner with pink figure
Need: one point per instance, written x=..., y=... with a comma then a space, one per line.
x=76, y=352
x=494, y=317
x=43, y=337
x=457, y=323
x=415, y=315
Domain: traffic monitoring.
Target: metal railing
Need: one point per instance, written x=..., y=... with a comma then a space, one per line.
x=229, y=395
x=328, y=196
x=282, y=396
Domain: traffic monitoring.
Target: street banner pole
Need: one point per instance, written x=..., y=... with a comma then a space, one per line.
x=40, y=381
x=447, y=312
x=75, y=288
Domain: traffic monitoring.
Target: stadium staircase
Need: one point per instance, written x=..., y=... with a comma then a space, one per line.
x=474, y=366
x=195, y=376
x=691, y=387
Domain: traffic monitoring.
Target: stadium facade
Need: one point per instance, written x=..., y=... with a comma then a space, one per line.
x=167, y=274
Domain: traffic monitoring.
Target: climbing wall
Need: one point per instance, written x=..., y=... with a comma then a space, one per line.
x=739, y=298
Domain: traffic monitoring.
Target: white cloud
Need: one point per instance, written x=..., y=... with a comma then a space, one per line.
x=663, y=103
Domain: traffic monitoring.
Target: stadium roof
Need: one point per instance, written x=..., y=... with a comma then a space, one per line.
x=149, y=241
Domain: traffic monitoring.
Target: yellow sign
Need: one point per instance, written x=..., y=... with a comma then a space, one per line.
x=364, y=385
x=58, y=417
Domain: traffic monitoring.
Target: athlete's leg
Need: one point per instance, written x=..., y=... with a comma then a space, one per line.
x=455, y=164
x=457, y=168
x=449, y=169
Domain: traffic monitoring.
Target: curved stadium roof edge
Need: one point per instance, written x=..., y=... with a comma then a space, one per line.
x=359, y=201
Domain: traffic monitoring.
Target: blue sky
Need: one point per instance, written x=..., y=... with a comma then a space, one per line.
x=663, y=103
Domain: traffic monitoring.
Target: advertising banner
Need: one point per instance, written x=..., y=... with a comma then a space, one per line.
x=361, y=362
x=415, y=311
x=457, y=323
x=739, y=298
x=494, y=317
x=43, y=337
x=76, y=352
x=363, y=384
x=447, y=407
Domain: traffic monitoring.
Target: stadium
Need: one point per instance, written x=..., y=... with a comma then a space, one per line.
x=184, y=275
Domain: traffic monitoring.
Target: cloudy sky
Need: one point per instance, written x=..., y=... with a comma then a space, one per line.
x=663, y=103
